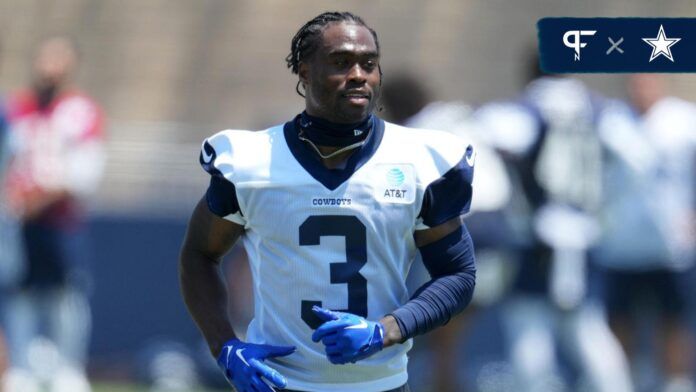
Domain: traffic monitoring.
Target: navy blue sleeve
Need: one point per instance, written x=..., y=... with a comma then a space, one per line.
x=450, y=262
x=222, y=197
x=450, y=195
x=221, y=194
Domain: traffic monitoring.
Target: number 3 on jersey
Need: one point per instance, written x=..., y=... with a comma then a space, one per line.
x=311, y=231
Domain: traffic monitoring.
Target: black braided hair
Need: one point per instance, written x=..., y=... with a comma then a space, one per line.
x=306, y=40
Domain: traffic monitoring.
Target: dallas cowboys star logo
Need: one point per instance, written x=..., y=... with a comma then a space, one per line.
x=661, y=45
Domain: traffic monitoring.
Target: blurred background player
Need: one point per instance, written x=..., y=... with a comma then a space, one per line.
x=549, y=140
x=408, y=102
x=648, y=244
x=57, y=161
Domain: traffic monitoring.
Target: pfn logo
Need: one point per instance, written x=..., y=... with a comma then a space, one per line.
x=576, y=44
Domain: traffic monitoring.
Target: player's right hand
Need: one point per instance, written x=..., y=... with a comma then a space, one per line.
x=243, y=365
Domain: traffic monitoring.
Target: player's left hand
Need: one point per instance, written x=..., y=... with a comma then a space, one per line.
x=347, y=337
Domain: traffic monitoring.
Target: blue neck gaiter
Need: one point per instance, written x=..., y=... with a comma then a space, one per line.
x=326, y=133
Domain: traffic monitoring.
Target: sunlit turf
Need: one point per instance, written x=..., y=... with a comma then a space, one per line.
x=117, y=387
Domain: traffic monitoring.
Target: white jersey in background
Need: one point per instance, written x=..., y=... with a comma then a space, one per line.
x=648, y=215
x=342, y=239
x=493, y=188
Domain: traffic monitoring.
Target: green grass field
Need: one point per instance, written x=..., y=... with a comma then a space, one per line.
x=112, y=387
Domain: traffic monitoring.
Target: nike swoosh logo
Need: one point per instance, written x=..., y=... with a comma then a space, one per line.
x=239, y=355
x=471, y=158
x=362, y=325
x=206, y=157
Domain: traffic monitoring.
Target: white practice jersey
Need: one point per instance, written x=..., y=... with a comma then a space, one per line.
x=342, y=239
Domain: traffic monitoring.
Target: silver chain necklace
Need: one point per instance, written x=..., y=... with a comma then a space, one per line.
x=353, y=146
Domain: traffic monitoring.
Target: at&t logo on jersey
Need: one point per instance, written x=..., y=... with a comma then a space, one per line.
x=395, y=177
x=395, y=184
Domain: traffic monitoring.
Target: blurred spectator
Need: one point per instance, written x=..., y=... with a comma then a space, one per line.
x=57, y=161
x=550, y=143
x=407, y=102
x=649, y=219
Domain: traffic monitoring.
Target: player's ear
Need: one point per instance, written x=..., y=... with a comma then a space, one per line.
x=303, y=73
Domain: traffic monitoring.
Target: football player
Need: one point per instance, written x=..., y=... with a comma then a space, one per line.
x=549, y=139
x=57, y=163
x=331, y=207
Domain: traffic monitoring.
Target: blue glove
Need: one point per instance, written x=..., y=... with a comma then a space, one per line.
x=347, y=337
x=243, y=365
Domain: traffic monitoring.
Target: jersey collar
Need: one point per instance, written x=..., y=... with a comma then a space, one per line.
x=332, y=178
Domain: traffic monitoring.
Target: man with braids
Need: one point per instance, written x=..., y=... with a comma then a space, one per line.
x=332, y=207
